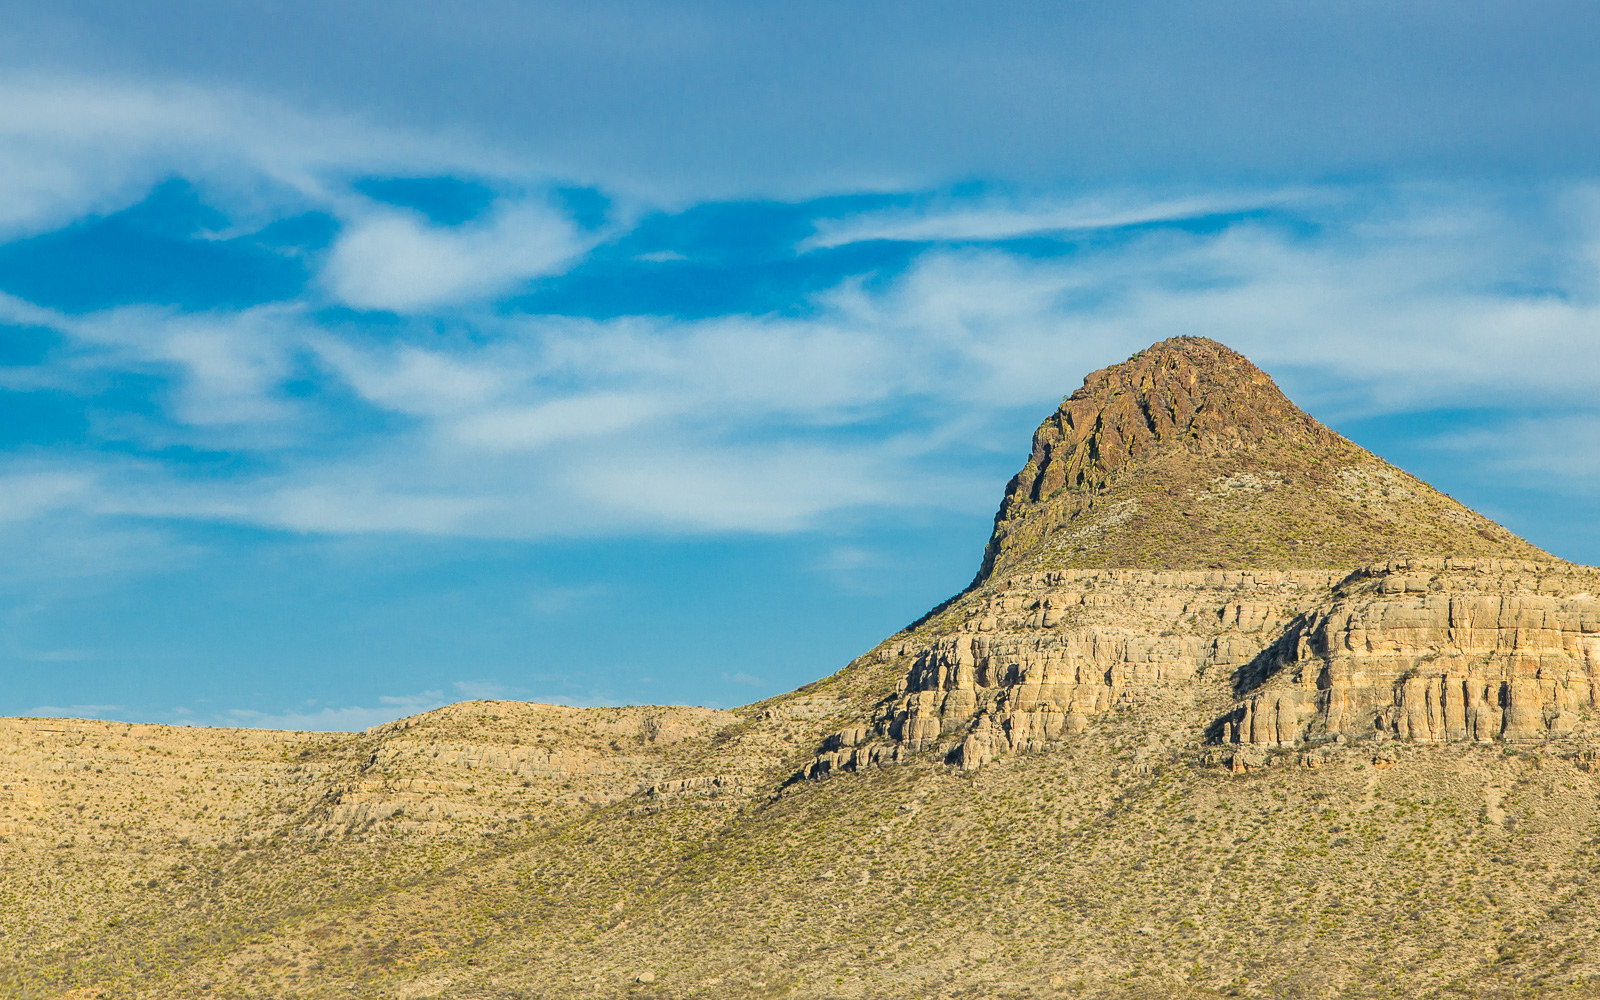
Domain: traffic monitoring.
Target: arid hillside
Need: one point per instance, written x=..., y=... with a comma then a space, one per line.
x=1232, y=708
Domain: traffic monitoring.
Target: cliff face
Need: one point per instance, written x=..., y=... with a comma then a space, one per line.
x=1035, y=658
x=1290, y=587
x=1428, y=650
x=1434, y=651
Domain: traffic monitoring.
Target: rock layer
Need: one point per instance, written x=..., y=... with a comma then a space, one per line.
x=1042, y=656
x=1435, y=651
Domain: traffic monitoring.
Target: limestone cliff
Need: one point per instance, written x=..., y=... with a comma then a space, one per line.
x=1434, y=651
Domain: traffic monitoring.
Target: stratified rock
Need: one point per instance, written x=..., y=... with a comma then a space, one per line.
x=1436, y=651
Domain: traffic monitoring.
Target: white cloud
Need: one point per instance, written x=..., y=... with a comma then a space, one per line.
x=77, y=146
x=481, y=690
x=15, y=310
x=959, y=220
x=73, y=712
x=347, y=718
x=1359, y=329
x=25, y=495
x=394, y=260
x=751, y=488
x=231, y=366
x=322, y=504
x=1559, y=447
x=72, y=145
x=415, y=381
x=529, y=428
x=65, y=546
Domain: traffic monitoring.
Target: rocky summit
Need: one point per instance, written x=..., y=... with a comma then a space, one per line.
x=1232, y=708
x=1187, y=456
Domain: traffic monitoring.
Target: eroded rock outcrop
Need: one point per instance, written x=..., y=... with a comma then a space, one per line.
x=1187, y=456
x=1045, y=655
x=1435, y=651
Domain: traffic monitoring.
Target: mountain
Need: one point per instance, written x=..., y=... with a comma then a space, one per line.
x=1231, y=708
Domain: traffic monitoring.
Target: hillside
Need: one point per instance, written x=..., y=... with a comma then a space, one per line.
x=1188, y=456
x=1232, y=708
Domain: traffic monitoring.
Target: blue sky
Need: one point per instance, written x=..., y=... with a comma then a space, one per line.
x=356, y=359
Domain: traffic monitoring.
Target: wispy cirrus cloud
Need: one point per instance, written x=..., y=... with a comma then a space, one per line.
x=72, y=145
x=988, y=219
x=72, y=711
x=25, y=495
x=1551, y=448
x=76, y=146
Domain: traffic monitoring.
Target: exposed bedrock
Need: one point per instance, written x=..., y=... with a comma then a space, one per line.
x=1429, y=650
x=1435, y=651
x=1044, y=655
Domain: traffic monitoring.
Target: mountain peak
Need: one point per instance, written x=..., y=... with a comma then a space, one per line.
x=1187, y=455
x=1188, y=392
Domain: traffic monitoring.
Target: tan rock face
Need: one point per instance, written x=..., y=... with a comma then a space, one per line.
x=1436, y=651
x=1423, y=650
x=1043, y=656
